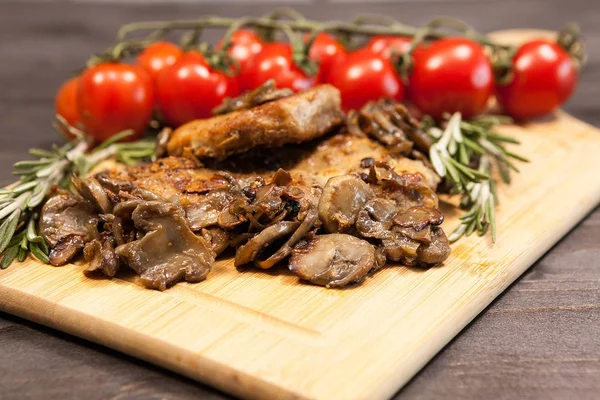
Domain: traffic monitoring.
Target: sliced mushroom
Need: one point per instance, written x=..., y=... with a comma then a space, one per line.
x=114, y=185
x=206, y=212
x=401, y=248
x=101, y=256
x=418, y=218
x=249, y=251
x=169, y=251
x=65, y=214
x=90, y=189
x=286, y=249
x=437, y=251
x=342, y=199
x=66, y=248
x=217, y=237
x=333, y=260
x=376, y=218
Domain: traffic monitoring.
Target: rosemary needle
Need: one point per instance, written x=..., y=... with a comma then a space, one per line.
x=464, y=153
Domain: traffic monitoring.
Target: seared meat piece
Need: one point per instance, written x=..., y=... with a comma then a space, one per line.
x=169, y=251
x=332, y=260
x=318, y=160
x=67, y=222
x=294, y=119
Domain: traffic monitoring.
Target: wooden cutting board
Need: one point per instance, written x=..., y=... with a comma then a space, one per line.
x=262, y=334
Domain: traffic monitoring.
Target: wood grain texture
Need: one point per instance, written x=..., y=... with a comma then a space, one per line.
x=542, y=346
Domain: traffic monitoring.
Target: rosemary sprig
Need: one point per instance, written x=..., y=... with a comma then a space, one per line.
x=20, y=202
x=463, y=154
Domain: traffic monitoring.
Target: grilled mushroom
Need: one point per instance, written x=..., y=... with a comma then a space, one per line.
x=250, y=251
x=66, y=248
x=67, y=222
x=169, y=251
x=376, y=218
x=101, y=255
x=437, y=250
x=90, y=189
x=332, y=260
x=342, y=199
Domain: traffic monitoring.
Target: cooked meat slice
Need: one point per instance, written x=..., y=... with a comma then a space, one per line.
x=65, y=249
x=342, y=199
x=437, y=251
x=263, y=94
x=101, y=256
x=332, y=260
x=318, y=160
x=169, y=251
x=65, y=214
x=294, y=119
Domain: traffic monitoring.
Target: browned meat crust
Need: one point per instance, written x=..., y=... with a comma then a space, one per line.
x=293, y=119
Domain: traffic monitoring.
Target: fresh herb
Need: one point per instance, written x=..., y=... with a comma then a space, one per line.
x=20, y=203
x=463, y=154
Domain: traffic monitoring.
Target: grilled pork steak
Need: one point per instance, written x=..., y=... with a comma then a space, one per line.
x=294, y=119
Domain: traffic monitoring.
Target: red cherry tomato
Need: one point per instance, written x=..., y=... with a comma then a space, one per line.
x=366, y=76
x=275, y=62
x=389, y=45
x=65, y=104
x=114, y=97
x=544, y=77
x=245, y=44
x=327, y=52
x=158, y=56
x=190, y=89
x=451, y=75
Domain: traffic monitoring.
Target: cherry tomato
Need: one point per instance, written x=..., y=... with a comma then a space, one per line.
x=327, y=52
x=451, y=75
x=389, y=45
x=114, y=97
x=544, y=77
x=275, y=62
x=158, y=56
x=245, y=44
x=65, y=104
x=365, y=76
x=190, y=89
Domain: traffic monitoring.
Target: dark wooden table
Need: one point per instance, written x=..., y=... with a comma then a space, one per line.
x=540, y=339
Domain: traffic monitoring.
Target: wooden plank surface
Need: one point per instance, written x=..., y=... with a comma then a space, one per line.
x=264, y=334
x=542, y=340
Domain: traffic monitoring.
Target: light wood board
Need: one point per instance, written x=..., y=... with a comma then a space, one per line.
x=265, y=335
